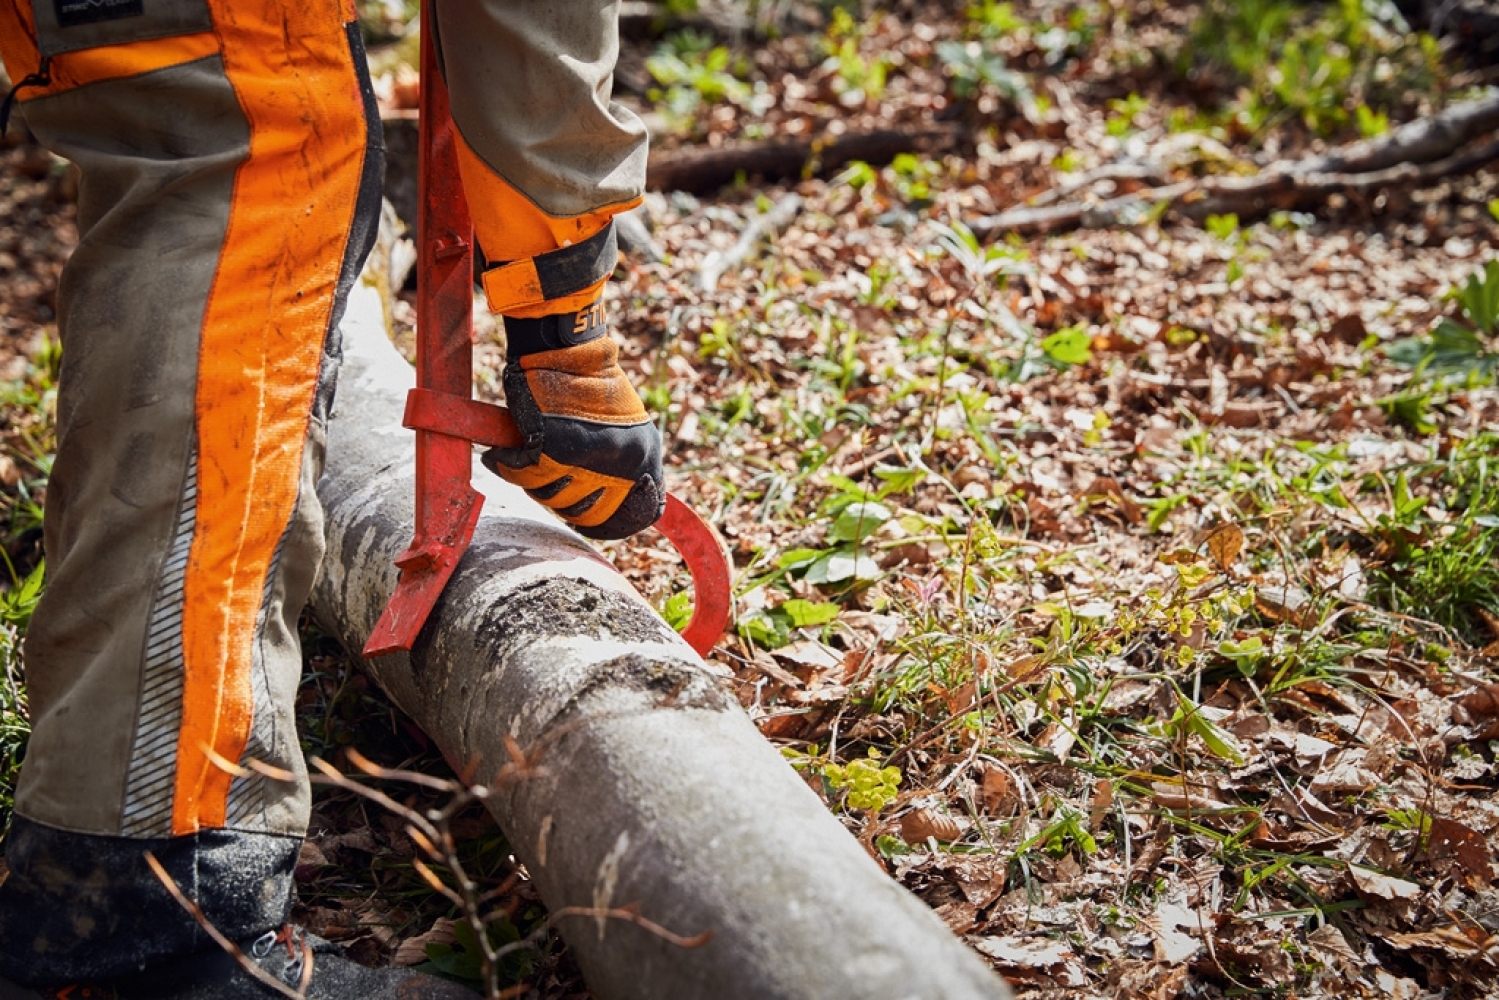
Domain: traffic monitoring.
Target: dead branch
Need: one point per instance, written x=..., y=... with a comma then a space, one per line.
x=1126, y=170
x=767, y=224
x=1414, y=155
x=699, y=170
x=1421, y=141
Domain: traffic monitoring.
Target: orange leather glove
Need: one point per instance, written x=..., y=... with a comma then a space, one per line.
x=591, y=453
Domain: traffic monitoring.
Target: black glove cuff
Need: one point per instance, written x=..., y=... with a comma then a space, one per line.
x=552, y=333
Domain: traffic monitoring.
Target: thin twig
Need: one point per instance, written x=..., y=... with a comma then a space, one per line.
x=633, y=915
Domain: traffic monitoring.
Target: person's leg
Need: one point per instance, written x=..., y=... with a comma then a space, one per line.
x=547, y=161
x=230, y=161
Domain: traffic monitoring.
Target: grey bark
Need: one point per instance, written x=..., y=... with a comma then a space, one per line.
x=652, y=787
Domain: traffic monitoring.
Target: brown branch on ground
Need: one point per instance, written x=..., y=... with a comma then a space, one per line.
x=700, y=170
x=1416, y=154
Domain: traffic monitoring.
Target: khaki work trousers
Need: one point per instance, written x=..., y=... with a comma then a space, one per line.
x=231, y=157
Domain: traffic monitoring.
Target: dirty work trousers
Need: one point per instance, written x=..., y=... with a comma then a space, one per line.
x=231, y=158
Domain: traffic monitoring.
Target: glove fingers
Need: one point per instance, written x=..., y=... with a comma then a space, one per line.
x=581, y=496
x=642, y=507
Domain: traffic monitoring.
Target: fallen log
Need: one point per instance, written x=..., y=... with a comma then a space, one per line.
x=1448, y=144
x=645, y=784
x=698, y=170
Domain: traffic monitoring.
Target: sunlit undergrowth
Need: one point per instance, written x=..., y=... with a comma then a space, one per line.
x=1102, y=590
x=27, y=408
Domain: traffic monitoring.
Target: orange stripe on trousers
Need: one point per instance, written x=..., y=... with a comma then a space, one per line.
x=105, y=62
x=18, y=40
x=268, y=312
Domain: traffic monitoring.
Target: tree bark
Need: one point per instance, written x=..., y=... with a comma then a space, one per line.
x=650, y=785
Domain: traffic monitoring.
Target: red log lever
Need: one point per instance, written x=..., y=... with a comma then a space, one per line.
x=448, y=421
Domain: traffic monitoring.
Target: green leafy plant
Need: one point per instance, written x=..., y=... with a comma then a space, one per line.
x=994, y=20
x=913, y=176
x=1458, y=348
x=1191, y=719
x=772, y=629
x=1067, y=830
x=1443, y=568
x=1371, y=123
x=974, y=68
x=463, y=961
x=692, y=74
x=1329, y=66
x=857, y=78
x=1121, y=121
x=1069, y=346
x=867, y=785
x=995, y=263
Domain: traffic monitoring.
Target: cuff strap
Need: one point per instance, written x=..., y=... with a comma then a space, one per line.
x=557, y=274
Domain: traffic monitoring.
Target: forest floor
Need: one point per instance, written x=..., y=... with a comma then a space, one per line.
x=1131, y=593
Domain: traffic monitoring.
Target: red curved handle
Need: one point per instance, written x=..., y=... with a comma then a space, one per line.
x=712, y=591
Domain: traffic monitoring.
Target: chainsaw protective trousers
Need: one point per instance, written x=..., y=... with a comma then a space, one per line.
x=230, y=158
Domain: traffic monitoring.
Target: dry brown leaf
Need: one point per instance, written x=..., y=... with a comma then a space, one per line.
x=997, y=790
x=1103, y=801
x=1454, y=847
x=1458, y=942
x=922, y=823
x=309, y=861
x=1479, y=705
x=767, y=665
x=1107, y=487
x=1348, y=329
x=1288, y=604
x=413, y=951
x=1035, y=957
x=1345, y=771
x=1224, y=546
x=1373, y=884
x=818, y=696
x=1174, y=927
x=1330, y=940
x=1179, y=798
x=812, y=655
x=960, y=916
x=1489, y=619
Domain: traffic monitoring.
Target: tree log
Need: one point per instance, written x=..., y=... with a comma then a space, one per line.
x=697, y=169
x=646, y=783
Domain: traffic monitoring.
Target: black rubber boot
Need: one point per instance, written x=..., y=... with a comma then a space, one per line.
x=283, y=955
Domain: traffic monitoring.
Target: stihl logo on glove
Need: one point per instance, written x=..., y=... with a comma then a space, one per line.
x=589, y=322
